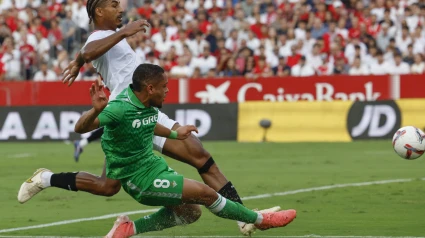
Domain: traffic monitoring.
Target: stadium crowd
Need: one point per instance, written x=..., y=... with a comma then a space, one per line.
x=214, y=38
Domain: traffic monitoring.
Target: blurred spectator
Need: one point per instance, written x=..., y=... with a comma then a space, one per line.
x=409, y=56
x=418, y=67
x=205, y=62
x=384, y=36
x=403, y=39
x=282, y=69
x=302, y=68
x=262, y=69
x=198, y=44
x=196, y=73
x=230, y=69
x=151, y=59
x=225, y=22
x=224, y=56
x=68, y=28
x=315, y=58
x=61, y=62
x=43, y=47
x=248, y=7
x=11, y=61
x=211, y=73
x=28, y=57
x=232, y=43
x=319, y=29
x=45, y=74
x=399, y=67
x=340, y=66
x=380, y=67
x=181, y=70
x=357, y=68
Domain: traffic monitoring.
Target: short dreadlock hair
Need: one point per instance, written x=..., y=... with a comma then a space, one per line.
x=91, y=7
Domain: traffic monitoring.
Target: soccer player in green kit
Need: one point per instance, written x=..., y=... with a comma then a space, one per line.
x=130, y=122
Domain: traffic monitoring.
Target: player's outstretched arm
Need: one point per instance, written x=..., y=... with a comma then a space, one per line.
x=97, y=48
x=89, y=120
x=181, y=133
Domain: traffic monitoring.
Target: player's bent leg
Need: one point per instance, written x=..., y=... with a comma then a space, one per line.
x=165, y=189
x=72, y=181
x=191, y=151
x=96, y=185
x=166, y=217
x=198, y=193
x=187, y=213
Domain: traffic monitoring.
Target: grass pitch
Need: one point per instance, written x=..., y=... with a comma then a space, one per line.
x=390, y=209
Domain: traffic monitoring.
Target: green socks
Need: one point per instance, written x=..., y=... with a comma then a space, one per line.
x=225, y=208
x=160, y=220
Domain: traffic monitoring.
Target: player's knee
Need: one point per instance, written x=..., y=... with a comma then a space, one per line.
x=199, y=155
x=209, y=195
x=108, y=187
x=111, y=190
x=206, y=165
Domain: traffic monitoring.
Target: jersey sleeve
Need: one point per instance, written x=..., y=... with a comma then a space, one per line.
x=98, y=35
x=112, y=114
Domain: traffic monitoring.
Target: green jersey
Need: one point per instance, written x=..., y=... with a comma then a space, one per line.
x=127, y=140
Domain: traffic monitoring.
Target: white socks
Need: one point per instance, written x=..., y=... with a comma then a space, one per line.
x=259, y=219
x=218, y=205
x=257, y=222
x=83, y=142
x=45, y=178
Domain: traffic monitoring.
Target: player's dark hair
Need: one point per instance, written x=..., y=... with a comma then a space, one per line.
x=146, y=73
x=91, y=7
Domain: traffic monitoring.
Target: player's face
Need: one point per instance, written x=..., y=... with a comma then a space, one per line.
x=113, y=14
x=160, y=92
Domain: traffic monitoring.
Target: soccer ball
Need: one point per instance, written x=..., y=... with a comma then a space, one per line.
x=408, y=142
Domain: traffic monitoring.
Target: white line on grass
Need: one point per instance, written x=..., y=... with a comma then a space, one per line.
x=18, y=156
x=306, y=236
x=261, y=196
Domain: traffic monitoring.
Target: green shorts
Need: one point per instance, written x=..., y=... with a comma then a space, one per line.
x=163, y=189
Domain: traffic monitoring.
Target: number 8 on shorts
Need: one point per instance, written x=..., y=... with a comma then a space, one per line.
x=158, y=183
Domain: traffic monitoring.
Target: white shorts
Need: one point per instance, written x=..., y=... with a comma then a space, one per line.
x=158, y=141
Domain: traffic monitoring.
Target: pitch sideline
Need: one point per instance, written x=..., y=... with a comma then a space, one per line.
x=306, y=236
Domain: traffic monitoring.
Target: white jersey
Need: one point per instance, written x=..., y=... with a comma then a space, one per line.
x=116, y=66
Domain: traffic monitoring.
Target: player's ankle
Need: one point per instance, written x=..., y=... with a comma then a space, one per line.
x=134, y=228
x=45, y=178
x=65, y=181
x=259, y=219
x=83, y=143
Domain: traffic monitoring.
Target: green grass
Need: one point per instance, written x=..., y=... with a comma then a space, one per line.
x=395, y=209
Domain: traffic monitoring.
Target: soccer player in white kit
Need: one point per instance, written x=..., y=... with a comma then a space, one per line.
x=116, y=61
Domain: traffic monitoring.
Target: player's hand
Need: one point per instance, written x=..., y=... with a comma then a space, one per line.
x=71, y=72
x=98, y=96
x=135, y=26
x=184, y=132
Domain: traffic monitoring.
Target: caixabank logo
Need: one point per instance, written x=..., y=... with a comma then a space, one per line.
x=373, y=120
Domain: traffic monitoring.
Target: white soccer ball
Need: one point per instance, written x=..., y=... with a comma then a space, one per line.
x=409, y=143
